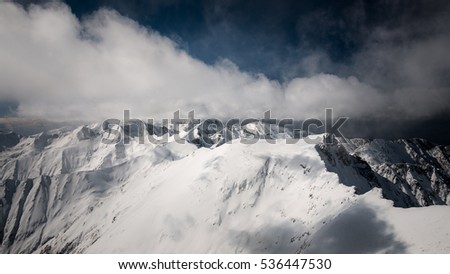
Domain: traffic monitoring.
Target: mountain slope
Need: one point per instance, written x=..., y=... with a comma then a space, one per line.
x=65, y=191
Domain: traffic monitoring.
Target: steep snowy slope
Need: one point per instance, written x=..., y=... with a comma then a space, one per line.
x=66, y=191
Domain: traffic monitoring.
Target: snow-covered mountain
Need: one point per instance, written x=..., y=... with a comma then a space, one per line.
x=67, y=191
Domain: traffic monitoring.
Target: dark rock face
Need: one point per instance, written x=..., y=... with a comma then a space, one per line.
x=8, y=140
x=411, y=173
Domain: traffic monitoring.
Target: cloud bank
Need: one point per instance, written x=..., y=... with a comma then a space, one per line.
x=61, y=68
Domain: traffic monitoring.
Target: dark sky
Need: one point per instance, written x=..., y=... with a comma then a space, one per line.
x=390, y=45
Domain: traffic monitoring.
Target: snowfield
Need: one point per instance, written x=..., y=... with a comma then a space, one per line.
x=65, y=191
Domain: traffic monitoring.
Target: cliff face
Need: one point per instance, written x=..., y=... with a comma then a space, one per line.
x=409, y=172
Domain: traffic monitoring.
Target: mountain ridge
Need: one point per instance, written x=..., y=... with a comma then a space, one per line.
x=65, y=191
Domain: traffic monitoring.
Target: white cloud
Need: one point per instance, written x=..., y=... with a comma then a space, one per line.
x=58, y=67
